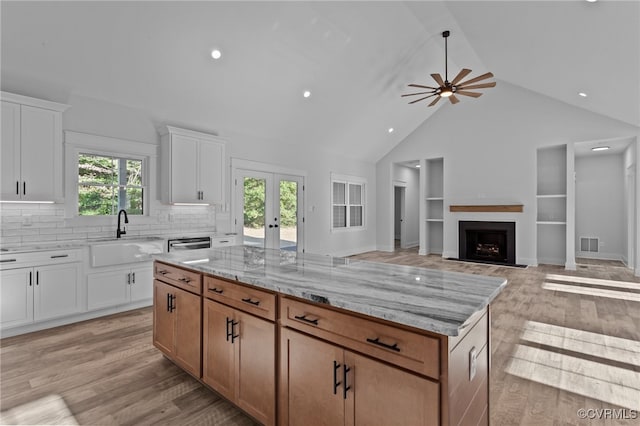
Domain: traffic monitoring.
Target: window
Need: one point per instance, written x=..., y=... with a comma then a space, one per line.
x=107, y=184
x=347, y=198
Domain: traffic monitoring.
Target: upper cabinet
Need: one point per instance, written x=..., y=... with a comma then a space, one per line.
x=193, y=167
x=31, y=154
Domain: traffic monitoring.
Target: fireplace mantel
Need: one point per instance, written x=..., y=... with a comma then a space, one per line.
x=487, y=208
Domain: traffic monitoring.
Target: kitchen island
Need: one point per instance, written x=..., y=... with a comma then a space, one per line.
x=306, y=339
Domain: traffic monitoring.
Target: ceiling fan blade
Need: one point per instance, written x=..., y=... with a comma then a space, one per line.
x=418, y=93
x=453, y=99
x=435, y=101
x=462, y=74
x=418, y=100
x=465, y=93
x=438, y=79
x=423, y=87
x=478, y=86
x=480, y=77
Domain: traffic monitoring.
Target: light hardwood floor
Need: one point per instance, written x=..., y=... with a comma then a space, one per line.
x=562, y=341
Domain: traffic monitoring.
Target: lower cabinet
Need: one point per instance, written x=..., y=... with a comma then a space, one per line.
x=39, y=293
x=239, y=359
x=119, y=287
x=176, y=325
x=323, y=384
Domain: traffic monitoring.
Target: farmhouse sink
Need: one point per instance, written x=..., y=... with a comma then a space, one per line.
x=116, y=251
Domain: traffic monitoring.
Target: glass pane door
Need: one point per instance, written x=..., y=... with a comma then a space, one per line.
x=254, y=203
x=269, y=210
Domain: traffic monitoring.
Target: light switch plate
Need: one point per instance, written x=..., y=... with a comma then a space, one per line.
x=473, y=363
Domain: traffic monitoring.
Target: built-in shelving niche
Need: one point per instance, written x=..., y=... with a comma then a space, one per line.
x=551, y=196
x=435, y=205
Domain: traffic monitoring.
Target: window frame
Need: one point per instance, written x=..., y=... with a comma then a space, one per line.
x=348, y=180
x=82, y=143
x=143, y=180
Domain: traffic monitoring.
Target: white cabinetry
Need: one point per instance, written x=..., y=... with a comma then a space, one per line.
x=39, y=286
x=120, y=286
x=193, y=167
x=551, y=196
x=435, y=205
x=31, y=149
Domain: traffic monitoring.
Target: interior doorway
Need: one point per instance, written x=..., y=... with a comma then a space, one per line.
x=399, y=225
x=632, y=221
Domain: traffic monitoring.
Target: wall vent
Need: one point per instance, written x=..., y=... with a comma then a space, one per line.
x=589, y=244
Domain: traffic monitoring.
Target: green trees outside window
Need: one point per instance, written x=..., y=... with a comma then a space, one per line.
x=108, y=184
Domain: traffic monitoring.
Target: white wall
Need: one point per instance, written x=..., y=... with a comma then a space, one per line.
x=600, y=204
x=489, y=146
x=411, y=177
x=96, y=117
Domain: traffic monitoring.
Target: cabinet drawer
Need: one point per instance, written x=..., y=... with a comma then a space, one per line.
x=39, y=258
x=401, y=347
x=245, y=298
x=187, y=280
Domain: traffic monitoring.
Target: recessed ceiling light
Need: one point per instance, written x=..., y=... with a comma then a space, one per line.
x=390, y=129
x=591, y=1
x=600, y=148
x=584, y=95
x=306, y=93
x=216, y=54
x=418, y=165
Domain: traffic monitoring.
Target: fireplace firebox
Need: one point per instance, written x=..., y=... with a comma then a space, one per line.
x=490, y=242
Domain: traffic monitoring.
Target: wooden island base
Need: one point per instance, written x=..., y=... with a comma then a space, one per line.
x=288, y=361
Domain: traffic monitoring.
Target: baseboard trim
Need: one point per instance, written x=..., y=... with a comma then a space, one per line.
x=352, y=252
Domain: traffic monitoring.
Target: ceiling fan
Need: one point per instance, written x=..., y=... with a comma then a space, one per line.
x=448, y=89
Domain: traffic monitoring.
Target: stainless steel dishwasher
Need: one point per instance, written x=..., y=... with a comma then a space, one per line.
x=188, y=243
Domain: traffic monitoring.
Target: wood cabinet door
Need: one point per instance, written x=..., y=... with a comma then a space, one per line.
x=307, y=392
x=387, y=396
x=184, y=177
x=56, y=291
x=256, y=367
x=163, y=319
x=188, y=332
x=38, y=153
x=10, y=152
x=218, y=364
x=141, y=283
x=16, y=303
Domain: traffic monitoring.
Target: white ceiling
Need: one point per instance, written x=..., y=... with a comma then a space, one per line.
x=355, y=57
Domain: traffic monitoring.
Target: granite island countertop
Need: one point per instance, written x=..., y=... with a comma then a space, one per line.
x=432, y=300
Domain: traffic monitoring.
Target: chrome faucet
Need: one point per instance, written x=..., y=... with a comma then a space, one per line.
x=126, y=220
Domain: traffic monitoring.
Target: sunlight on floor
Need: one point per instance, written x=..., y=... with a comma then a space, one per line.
x=594, y=281
x=48, y=410
x=590, y=291
x=603, y=377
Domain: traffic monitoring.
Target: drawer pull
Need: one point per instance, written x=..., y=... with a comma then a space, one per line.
x=336, y=383
x=377, y=341
x=216, y=290
x=185, y=279
x=305, y=319
x=7, y=260
x=253, y=302
x=163, y=272
x=58, y=256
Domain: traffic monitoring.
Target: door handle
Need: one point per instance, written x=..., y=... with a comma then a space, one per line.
x=336, y=383
x=234, y=336
x=17, y=188
x=129, y=278
x=37, y=277
x=345, y=388
x=229, y=333
x=30, y=278
x=275, y=226
x=270, y=226
x=133, y=277
x=24, y=188
x=168, y=302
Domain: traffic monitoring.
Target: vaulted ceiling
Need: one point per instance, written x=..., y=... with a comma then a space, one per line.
x=355, y=57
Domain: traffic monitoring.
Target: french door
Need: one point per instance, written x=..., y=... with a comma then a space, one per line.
x=268, y=211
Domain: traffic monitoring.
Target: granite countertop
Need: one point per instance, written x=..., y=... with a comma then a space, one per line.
x=431, y=300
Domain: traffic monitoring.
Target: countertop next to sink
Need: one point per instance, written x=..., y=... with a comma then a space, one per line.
x=432, y=300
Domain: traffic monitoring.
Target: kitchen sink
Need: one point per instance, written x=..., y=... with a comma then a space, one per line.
x=117, y=251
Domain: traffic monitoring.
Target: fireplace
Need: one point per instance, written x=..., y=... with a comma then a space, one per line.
x=490, y=242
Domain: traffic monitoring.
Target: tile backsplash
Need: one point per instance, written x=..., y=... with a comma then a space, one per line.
x=27, y=223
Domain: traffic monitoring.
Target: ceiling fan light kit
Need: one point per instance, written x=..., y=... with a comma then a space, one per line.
x=448, y=89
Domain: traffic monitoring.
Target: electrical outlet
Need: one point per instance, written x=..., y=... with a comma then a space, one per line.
x=26, y=220
x=473, y=363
